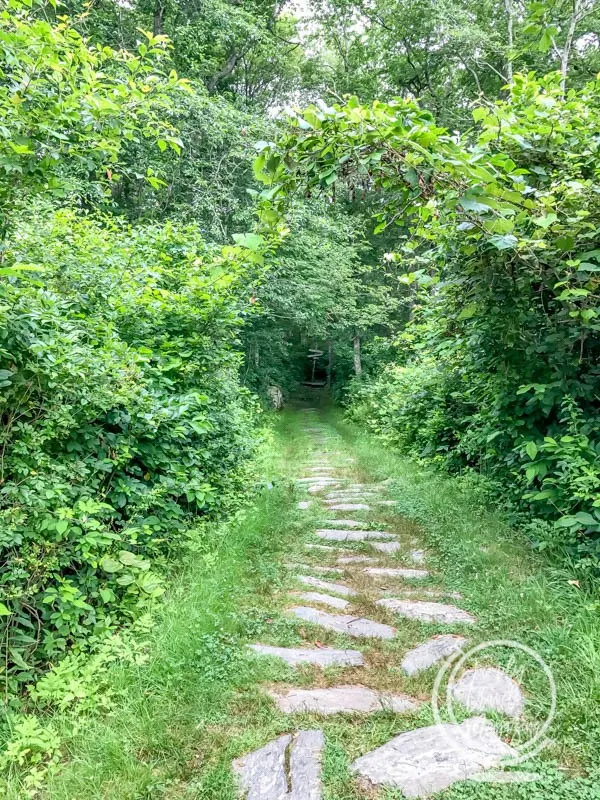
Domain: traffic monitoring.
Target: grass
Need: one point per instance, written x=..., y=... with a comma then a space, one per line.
x=198, y=700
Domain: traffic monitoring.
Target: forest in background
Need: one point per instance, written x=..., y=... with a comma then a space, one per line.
x=175, y=234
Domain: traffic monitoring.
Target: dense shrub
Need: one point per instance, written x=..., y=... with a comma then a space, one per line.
x=122, y=418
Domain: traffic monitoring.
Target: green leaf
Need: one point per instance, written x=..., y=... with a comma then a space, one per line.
x=567, y=522
x=468, y=312
x=545, y=221
x=110, y=565
x=585, y=518
x=62, y=525
x=18, y=659
x=586, y=266
x=4, y=611
x=480, y=113
x=531, y=449
x=506, y=242
x=251, y=241
x=130, y=559
x=107, y=595
x=469, y=204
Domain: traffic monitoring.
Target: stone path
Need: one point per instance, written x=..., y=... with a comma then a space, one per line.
x=421, y=761
x=288, y=768
x=348, y=507
x=489, y=689
x=357, y=699
x=386, y=547
x=325, y=599
x=327, y=586
x=322, y=657
x=398, y=572
x=357, y=627
x=426, y=611
x=428, y=760
x=431, y=652
x=334, y=535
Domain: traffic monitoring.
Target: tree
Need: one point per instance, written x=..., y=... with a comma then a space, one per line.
x=67, y=108
x=502, y=223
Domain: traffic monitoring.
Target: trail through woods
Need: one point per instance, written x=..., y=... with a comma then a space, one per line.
x=299, y=661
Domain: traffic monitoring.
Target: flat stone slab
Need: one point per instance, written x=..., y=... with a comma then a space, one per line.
x=288, y=768
x=322, y=656
x=324, y=570
x=418, y=556
x=326, y=599
x=334, y=535
x=431, y=652
x=431, y=593
x=355, y=560
x=327, y=586
x=344, y=523
x=326, y=547
x=426, y=611
x=386, y=547
x=489, y=689
x=347, y=498
x=399, y=572
x=326, y=480
x=304, y=504
x=318, y=569
x=321, y=467
x=343, y=493
x=428, y=760
x=386, y=502
x=319, y=487
x=348, y=507
x=339, y=699
x=358, y=627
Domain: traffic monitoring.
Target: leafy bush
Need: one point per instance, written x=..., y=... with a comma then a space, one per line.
x=123, y=417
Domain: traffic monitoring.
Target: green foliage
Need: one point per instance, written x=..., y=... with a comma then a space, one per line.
x=498, y=244
x=308, y=296
x=449, y=53
x=66, y=105
x=123, y=418
x=210, y=184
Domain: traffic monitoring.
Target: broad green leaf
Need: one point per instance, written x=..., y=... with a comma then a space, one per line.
x=531, y=449
x=506, y=242
x=252, y=241
x=110, y=565
x=545, y=221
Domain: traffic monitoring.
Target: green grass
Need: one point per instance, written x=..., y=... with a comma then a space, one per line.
x=198, y=701
x=516, y=594
x=172, y=731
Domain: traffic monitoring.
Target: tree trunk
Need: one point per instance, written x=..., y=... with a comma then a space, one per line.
x=213, y=82
x=566, y=52
x=357, y=359
x=159, y=17
x=508, y=4
x=329, y=363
